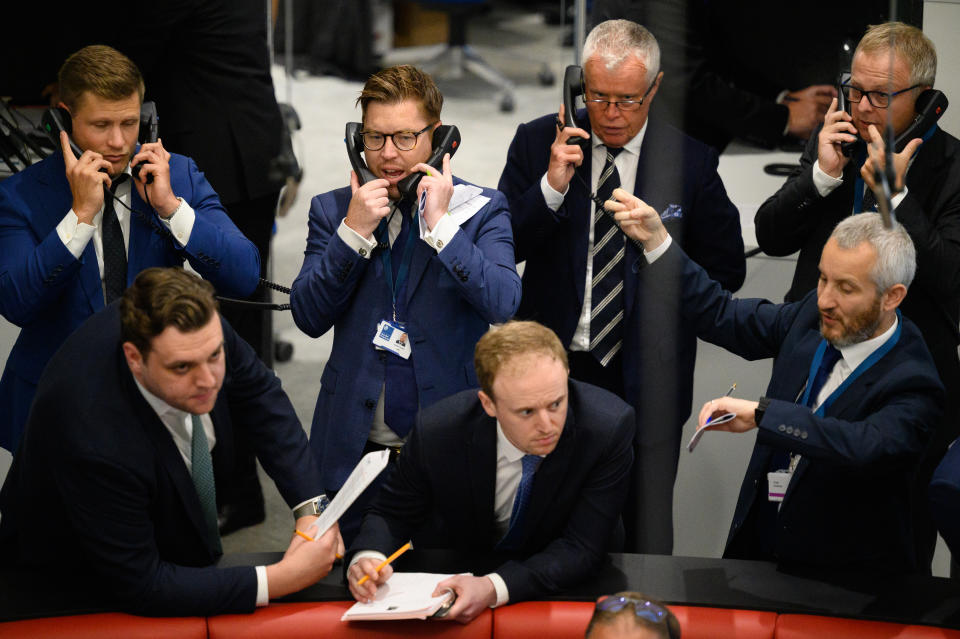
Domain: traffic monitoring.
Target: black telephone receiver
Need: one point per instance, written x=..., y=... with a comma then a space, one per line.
x=57, y=119
x=446, y=139
x=930, y=105
x=572, y=87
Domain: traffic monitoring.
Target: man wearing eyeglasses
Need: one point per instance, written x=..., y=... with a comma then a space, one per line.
x=408, y=281
x=892, y=65
x=581, y=276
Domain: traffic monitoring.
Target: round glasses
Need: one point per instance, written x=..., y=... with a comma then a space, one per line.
x=877, y=99
x=644, y=609
x=403, y=140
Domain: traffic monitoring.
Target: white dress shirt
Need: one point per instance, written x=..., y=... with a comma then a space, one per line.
x=826, y=184
x=850, y=357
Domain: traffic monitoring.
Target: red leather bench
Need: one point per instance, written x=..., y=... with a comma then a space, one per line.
x=802, y=626
x=116, y=624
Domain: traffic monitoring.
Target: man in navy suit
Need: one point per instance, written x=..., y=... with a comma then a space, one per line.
x=849, y=409
x=66, y=248
x=581, y=277
x=531, y=466
x=408, y=293
x=115, y=484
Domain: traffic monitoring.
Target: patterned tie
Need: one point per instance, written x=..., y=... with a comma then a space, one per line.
x=520, y=501
x=830, y=357
x=606, y=312
x=114, y=252
x=203, y=481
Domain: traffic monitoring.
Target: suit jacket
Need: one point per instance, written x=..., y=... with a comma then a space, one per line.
x=678, y=177
x=48, y=293
x=847, y=506
x=100, y=492
x=452, y=297
x=447, y=475
x=944, y=495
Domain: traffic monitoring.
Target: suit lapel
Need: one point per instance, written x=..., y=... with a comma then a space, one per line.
x=482, y=470
x=140, y=234
x=580, y=220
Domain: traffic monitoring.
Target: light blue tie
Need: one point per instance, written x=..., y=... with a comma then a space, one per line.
x=511, y=540
x=203, y=480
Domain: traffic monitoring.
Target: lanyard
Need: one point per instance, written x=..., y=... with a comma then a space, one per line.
x=387, y=259
x=859, y=186
x=858, y=371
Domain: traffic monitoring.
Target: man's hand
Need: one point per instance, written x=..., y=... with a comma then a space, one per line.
x=86, y=180
x=154, y=160
x=837, y=128
x=439, y=189
x=474, y=595
x=744, y=410
x=370, y=204
x=367, y=566
x=306, y=524
x=638, y=220
x=564, y=158
x=807, y=108
x=304, y=563
x=876, y=157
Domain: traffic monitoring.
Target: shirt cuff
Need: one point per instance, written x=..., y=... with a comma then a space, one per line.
x=263, y=593
x=552, y=197
x=441, y=235
x=74, y=234
x=898, y=198
x=361, y=245
x=363, y=554
x=180, y=223
x=824, y=183
x=503, y=595
x=654, y=255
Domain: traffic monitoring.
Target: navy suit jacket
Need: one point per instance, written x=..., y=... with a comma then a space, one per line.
x=452, y=297
x=100, y=492
x=446, y=476
x=847, y=507
x=944, y=495
x=49, y=293
x=659, y=350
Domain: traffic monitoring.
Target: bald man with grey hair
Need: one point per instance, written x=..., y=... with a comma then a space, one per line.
x=582, y=275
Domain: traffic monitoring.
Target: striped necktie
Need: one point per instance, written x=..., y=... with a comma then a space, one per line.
x=203, y=481
x=606, y=312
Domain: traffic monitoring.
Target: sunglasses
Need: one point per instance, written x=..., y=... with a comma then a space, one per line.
x=654, y=613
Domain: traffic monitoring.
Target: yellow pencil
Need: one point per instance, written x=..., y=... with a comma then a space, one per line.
x=402, y=549
x=309, y=538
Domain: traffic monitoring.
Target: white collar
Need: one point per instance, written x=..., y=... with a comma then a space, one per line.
x=633, y=144
x=160, y=407
x=505, y=448
x=855, y=354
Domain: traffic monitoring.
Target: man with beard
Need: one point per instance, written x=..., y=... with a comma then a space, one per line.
x=849, y=408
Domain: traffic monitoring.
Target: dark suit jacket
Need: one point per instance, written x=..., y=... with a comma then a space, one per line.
x=452, y=298
x=99, y=491
x=796, y=218
x=847, y=506
x=49, y=293
x=944, y=494
x=659, y=350
x=446, y=475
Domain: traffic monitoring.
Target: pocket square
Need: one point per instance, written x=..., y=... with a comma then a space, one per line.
x=672, y=211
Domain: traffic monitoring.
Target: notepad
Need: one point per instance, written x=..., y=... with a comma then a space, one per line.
x=722, y=419
x=406, y=595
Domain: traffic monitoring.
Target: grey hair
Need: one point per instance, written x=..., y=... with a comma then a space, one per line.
x=613, y=41
x=910, y=44
x=896, y=256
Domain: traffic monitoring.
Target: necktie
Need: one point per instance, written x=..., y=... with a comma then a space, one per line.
x=830, y=357
x=606, y=312
x=511, y=540
x=114, y=252
x=203, y=481
x=400, y=401
x=869, y=201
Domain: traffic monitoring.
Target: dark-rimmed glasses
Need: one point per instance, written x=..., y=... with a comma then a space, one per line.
x=403, y=140
x=645, y=609
x=622, y=105
x=877, y=99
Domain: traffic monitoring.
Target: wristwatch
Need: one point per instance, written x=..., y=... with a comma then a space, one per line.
x=313, y=507
x=761, y=409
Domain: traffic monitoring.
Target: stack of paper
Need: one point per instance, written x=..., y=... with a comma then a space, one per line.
x=407, y=595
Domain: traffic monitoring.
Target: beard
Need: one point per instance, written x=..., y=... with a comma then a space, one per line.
x=856, y=329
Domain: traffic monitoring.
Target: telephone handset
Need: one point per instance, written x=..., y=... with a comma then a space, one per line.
x=57, y=119
x=572, y=87
x=446, y=139
x=930, y=105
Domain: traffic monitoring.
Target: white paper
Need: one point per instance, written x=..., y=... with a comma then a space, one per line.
x=369, y=467
x=465, y=202
x=722, y=419
x=406, y=595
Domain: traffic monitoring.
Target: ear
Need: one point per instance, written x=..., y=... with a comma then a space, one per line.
x=62, y=105
x=893, y=296
x=487, y=402
x=134, y=359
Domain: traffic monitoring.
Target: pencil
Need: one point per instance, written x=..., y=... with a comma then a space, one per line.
x=309, y=538
x=402, y=549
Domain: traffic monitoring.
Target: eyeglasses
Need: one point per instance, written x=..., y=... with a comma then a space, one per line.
x=877, y=99
x=648, y=610
x=622, y=105
x=403, y=140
